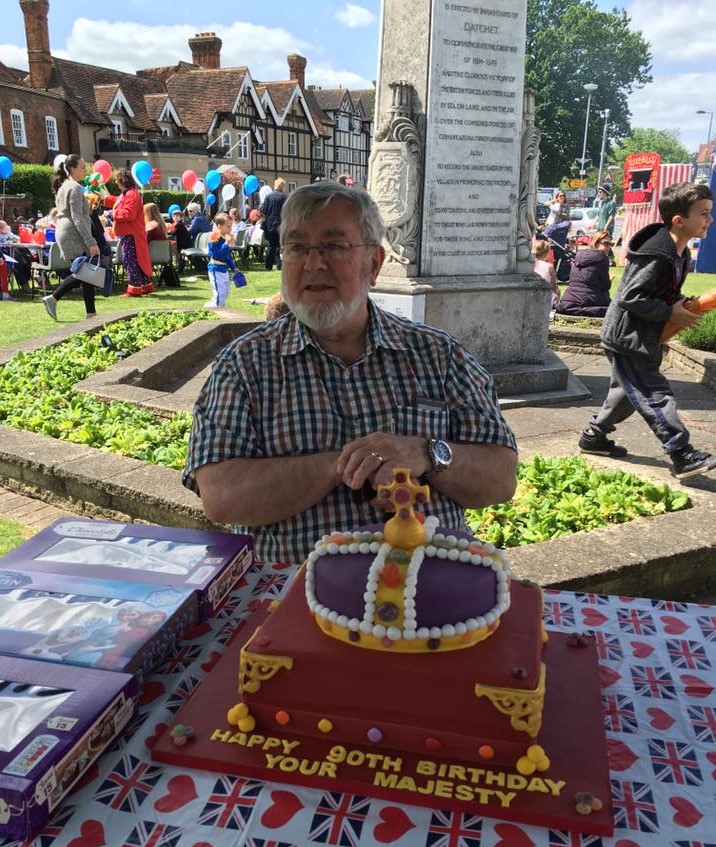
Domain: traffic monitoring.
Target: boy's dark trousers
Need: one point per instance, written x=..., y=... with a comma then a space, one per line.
x=637, y=385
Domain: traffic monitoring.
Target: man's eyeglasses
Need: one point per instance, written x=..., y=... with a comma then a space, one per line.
x=331, y=251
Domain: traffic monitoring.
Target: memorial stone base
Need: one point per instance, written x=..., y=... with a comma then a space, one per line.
x=503, y=319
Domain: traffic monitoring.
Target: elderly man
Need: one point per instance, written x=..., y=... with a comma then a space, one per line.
x=303, y=417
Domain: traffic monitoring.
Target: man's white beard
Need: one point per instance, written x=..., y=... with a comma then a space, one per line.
x=322, y=317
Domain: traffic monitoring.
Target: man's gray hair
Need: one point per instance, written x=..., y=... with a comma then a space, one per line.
x=310, y=200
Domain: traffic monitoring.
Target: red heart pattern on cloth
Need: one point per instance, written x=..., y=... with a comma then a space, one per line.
x=641, y=650
x=91, y=835
x=674, y=626
x=211, y=661
x=593, y=617
x=687, y=814
x=659, y=718
x=181, y=790
x=695, y=686
x=712, y=758
x=512, y=836
x=607, y=676
x=621, y=756
x=394, y=823
x=284, y=805
x=151, y=740
x=150, y=691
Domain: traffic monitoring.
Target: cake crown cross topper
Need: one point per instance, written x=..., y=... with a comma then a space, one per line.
x=405, y=529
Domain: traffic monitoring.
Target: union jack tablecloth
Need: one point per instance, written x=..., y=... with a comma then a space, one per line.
x=658, y=669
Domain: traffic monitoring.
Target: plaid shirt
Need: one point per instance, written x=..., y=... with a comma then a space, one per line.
x=275, y=392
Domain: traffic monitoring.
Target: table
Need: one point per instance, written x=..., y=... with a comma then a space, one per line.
x=658, y=669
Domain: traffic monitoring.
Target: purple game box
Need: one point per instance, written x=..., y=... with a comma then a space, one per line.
x=116, y=626
x=55, y=721
x=208, y=563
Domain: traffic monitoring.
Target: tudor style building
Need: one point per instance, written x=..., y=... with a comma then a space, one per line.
x=193, y=115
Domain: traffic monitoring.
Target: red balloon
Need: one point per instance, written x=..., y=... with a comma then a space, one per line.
x=188, y=180
x=103, y=168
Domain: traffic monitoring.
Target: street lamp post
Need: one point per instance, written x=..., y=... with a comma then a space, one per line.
x=589, y=87
x=607, y=112
x=711, y=120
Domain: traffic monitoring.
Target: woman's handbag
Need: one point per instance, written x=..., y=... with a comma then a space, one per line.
x=89, y=271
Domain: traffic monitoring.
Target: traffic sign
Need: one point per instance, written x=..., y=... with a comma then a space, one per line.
x=577, y=183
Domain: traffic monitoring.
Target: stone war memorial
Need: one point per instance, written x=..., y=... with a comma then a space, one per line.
x=454, y=172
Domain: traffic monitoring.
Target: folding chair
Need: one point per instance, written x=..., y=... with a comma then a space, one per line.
x=160, y=254
x=48, y=261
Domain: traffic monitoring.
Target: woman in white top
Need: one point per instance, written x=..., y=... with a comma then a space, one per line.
x=558, y=210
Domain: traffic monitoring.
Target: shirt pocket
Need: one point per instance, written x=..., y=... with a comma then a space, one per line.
x=426, y=421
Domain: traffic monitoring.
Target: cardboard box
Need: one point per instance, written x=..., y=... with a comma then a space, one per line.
x=55, y=721
x=208, y=563
x=120, y=626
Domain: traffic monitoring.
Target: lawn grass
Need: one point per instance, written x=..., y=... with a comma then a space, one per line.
x=12, y=534
x=27, y=318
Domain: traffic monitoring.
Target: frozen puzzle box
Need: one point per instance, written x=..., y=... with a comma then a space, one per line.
x=206, y=562
x=55, y=721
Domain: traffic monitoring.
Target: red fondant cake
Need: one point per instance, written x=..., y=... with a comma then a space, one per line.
x=410, y=639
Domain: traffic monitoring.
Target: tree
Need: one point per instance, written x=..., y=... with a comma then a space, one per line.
x=570, y=43
x=665, y=142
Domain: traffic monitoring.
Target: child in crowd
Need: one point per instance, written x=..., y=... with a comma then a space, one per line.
x=181, y=237
x=237, y=226
x=648, y=296
x=6, y=236
x=154, y=223
x=545, y=269
x=275, y=307
x=221, y=260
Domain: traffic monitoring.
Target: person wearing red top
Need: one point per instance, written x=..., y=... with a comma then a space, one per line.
x=154, y=223
x=129, y=226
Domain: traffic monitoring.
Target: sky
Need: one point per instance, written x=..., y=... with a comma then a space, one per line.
x=340, y=41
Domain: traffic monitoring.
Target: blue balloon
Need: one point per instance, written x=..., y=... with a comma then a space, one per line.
x=173, y=208
x=212, y=180
x=142, y=171
x=251, y=184
x=5, y=167
x=210, y=199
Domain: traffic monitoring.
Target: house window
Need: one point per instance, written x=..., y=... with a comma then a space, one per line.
x=261, y=146
x=165, y=132
x=318, y=149
x=356, y=126
x=292, y=144
x=356, y=156
x=225, y=140
x=174, y=183
x=292, y=187
x=51, y=132
x=344, y=155
x=343, y=123
x=242, y=148
x=117, y=129
x=2, y=132
x=17, y=119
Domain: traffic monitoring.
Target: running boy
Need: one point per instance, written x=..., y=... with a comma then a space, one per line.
x=648, y=296
x=221, y=260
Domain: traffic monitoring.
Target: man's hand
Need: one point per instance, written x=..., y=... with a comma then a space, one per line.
x=682, y=317
x=373, y=457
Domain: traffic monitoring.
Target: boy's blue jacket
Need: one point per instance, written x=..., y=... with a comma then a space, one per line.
x=220, y=256
x=643, y=302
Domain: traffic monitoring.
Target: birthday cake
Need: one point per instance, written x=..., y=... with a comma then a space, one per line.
x=407, y=638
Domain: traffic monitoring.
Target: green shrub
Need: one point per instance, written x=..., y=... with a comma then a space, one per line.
x=561, y=496
x=37, y=393
x=703, y=336
x=33, y=181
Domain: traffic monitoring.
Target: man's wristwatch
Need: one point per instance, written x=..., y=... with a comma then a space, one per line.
x=439, y=454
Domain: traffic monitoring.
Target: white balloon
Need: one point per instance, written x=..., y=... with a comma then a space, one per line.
x=198, y=187
x=227, y=192
x=58, y=160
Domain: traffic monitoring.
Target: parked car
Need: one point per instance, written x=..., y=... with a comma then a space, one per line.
x=583, y=221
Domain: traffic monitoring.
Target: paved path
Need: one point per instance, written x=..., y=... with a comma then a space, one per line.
x=33, y=514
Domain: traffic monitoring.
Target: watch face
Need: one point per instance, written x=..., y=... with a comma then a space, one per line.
x=442, y=452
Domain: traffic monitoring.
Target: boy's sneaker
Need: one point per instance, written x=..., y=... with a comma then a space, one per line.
x=599, y=445
x=688, y=462
x=51, y=306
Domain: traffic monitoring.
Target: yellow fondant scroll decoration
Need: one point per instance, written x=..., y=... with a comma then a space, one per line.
x=255, y=668
x=524, y=708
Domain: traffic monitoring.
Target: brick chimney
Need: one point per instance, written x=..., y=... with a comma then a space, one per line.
x=297, y=69
x=206, y=50
x=37, y=34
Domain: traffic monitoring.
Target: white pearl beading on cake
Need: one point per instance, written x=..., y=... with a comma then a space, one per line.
x=450, y=548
